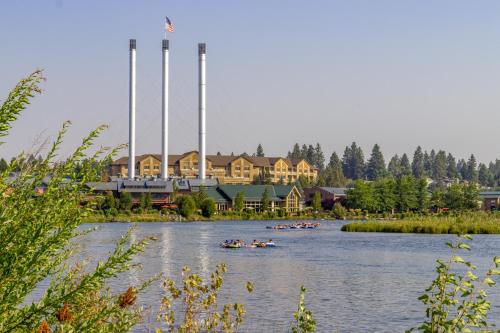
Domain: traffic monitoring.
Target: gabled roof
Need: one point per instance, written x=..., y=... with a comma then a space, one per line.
x=218, y=196
x=250, y=192
x=283, y=191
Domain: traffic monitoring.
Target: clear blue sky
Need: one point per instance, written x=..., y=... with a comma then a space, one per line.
x=396, y=73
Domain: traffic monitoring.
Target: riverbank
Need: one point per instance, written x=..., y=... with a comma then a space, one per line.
x=470, y=223
x=159, y=217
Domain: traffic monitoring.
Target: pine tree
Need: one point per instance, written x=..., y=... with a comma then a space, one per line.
x=311, y=155
x=260, y=151
x=472, y=169
x=485, y=178
x=439, y=166
x=394, y=166
x=462, y=168
x=451, y=167
x=346, y=163
x=295, y=152
x=406, y=169
x=417, y=165
x=376, y=164
x=319, y=157
x=303, y=152
x=333, y=173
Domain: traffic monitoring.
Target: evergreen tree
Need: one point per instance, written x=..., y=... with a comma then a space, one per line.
x=296, y=152
x=346, y=163
x=451, y=167
x=472, y=169
x=311, y=155
x=427, y=164
x=462, y=169
x=333, y=173
x=418, y=167
x=359, y=167
x=406, y=169
x=394, y=166
x=376, y=164
x=485, y=177
x=303, y=152
x=439, y=166
x=353, y=162
x=219, y=154
x=260, y=151
x=319, y=157
x=265, y=200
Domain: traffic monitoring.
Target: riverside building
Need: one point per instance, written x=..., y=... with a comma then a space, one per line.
x=227, y=169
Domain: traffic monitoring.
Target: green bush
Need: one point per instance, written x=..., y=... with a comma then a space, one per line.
x=37, y=238
x=207, y=207
x=338, y=211
x=187, y=205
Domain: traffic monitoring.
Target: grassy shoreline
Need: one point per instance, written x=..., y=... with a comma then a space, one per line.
x=470, y=223
x=161, y=218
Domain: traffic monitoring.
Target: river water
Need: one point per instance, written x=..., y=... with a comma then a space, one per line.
x=356, y=282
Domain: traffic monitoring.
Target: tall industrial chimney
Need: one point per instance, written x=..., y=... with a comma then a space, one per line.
x=164, y=111
x=202, y=100
x=131, y=130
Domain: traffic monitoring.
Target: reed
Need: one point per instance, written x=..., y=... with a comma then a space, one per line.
x=466, y=223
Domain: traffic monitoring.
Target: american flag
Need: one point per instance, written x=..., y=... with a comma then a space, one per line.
x=169, y=27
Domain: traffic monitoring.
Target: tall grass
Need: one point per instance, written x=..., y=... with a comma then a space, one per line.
x=466, y=223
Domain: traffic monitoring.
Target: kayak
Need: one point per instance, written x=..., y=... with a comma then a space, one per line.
x=270, y=244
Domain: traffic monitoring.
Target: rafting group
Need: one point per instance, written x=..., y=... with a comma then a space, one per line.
x=301, y=225
x=236, y=244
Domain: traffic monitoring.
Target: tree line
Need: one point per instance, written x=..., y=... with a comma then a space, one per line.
x=410, y=194
x=439, y=165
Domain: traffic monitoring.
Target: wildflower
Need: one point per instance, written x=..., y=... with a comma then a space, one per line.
x=63, y=315
x=128, y=298
x=44, y=327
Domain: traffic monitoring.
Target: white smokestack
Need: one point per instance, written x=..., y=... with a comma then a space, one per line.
x=164, y=111
x=131, y=131
x=202, y=100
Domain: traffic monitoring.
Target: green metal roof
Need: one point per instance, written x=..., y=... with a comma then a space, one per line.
x=283, y=191
x=250, y=192
x=490, y=194
x=213, y=193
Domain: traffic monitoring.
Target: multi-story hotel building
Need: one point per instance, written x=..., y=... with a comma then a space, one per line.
x=227, y=169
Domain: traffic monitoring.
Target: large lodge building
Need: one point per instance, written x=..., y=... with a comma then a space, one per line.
x=227, y=169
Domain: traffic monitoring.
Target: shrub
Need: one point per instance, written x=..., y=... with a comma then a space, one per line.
x=207, y=207
x=456, y=300
x=338, y=211
x=37, y=237
x=187, y=205
x=199, y=301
